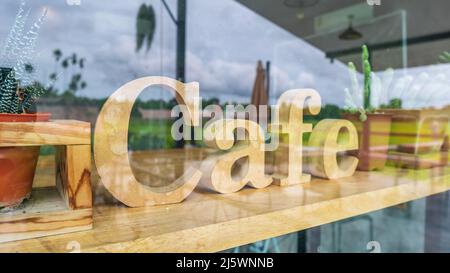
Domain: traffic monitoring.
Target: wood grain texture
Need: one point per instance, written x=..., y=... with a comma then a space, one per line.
x=45, y=172
x=207, y=221
x=73, y=175
x=54, y=132
x=291, y=106
x=111, y=144
x=418, y=161
x=325, y=139
x=44, y=214
x=220, y=135
x=50, y=213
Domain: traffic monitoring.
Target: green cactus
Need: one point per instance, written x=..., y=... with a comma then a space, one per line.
x=367, y=70
x=355, y=100
x=17, y=90
x=8, y=88
x=444, y=57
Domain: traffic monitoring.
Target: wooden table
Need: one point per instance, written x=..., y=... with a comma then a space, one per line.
x=207, y=221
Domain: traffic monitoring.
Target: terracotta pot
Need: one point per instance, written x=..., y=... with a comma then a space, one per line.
x=18, y=164
x=373, y=136
x=4, y=117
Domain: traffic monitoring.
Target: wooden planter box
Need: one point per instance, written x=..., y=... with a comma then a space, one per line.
x=65, y=207
x=419, y=138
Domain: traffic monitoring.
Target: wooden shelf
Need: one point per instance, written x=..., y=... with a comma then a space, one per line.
x=208, y=221
x=45, y=213
x=54, y=132
x=67, y=205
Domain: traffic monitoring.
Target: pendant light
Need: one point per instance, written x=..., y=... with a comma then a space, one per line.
x=350, y=33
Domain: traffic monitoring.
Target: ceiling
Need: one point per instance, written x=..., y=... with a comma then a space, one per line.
x=401, y=33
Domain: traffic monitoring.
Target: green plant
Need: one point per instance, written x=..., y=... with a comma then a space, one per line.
x=444, y=57
x=15, y=99
x=355, y=101
x=393, y=104
x=17, y=91
x=367, y=69
x=374, y=91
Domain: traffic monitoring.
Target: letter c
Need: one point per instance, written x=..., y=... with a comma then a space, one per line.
x=111, y=145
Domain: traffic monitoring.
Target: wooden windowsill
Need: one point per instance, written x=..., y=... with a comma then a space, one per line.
x=208, y=221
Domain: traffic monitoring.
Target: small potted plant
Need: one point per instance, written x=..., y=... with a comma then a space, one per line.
x=17, y=164
x=17, y=96
x=373, y=125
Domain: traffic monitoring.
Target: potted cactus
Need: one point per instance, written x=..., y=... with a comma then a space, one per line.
x=17, y=95
x=373, y=125
x=17, y=164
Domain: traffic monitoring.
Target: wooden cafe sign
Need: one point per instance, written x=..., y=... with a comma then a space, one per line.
x=68, y=207
x=111, y=145
x=47, y=214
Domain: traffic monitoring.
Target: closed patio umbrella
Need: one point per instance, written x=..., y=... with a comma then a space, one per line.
x=259, y=93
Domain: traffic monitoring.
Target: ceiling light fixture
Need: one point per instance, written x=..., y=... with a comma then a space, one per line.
x=350, y=33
